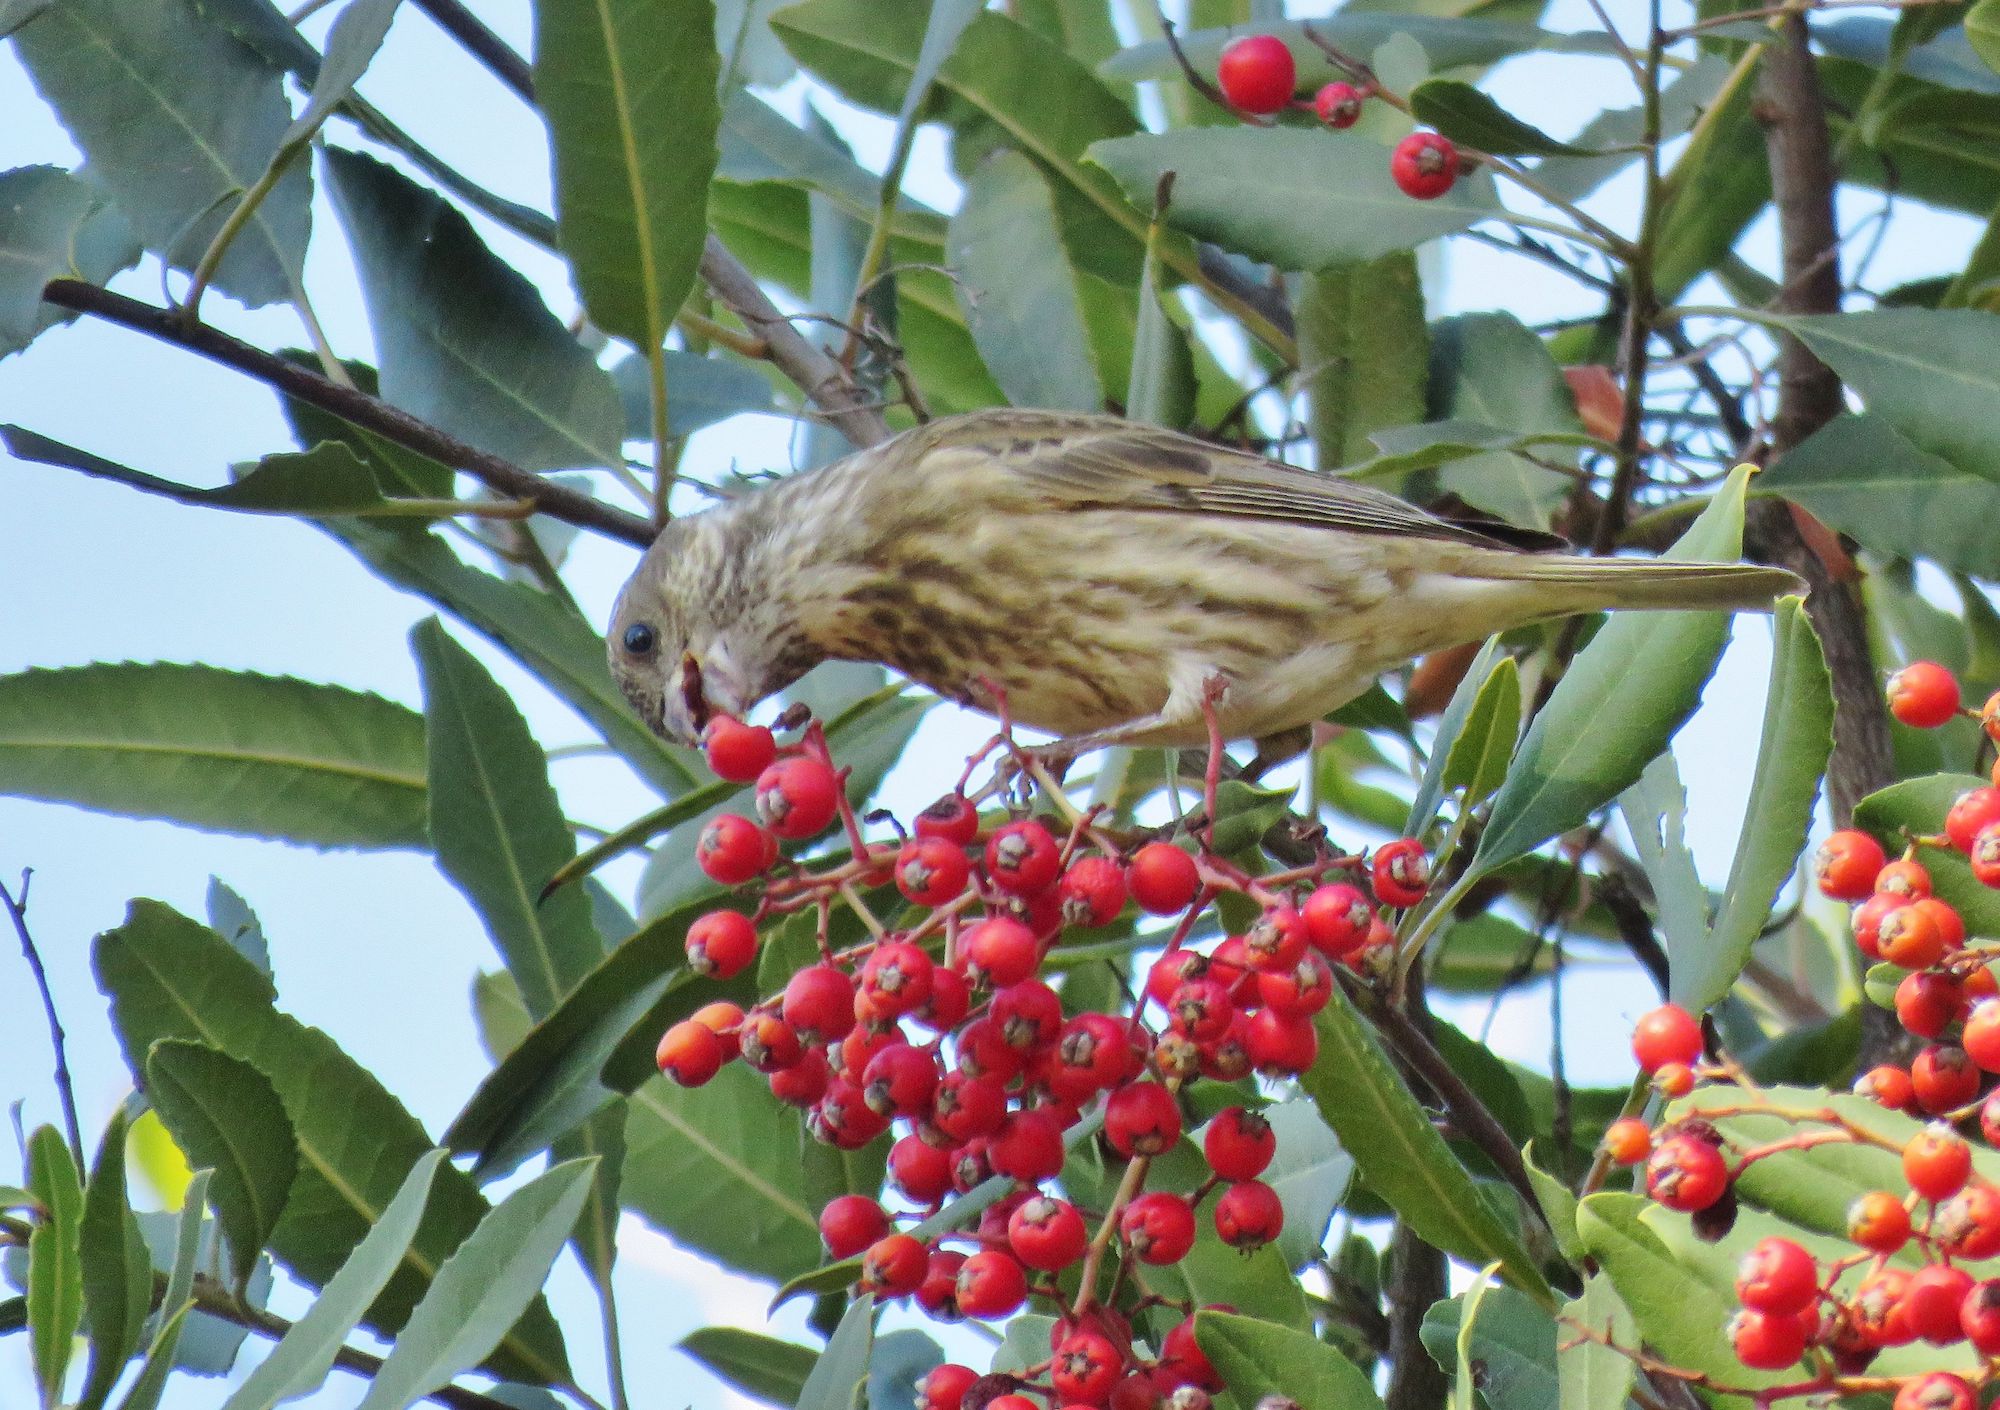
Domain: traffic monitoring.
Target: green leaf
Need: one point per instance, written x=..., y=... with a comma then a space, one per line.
x=177, y=119
x=1870, y=481
x=495, y=823
x=465, y=341
x=351, y=46
x=942, y=31
x=1512, y=1344
x=1311, y=1173
x=761, y=1367
x=265, y=756
x=1655, y=812
x=1401, y=1156
x=1258, y=1284
x=1919, y=805
x=188, y=1229
x=1464, y=114
x=486, y=1284
x=1620, y=702
x=117, y=1270
x=1161, y=388
x=1558, y=1205
x=1479, y=754
x=1364, y=353
x=1257, y=1359
x=169, y=977
x=1592, y=1376
x=843, y=1366
x=700, y=392
x=1982, y=31
x=1791, y=759
x=1291, y=197
x=55, y=1260
x=227, y=1116
x=1711, y=193
x=1489, y=369
x=1019, y=290
x=1450, y=725
x=629, y=91
x=52, y=225
x=303, y=1356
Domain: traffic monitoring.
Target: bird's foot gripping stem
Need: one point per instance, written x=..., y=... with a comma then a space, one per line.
x=1213, y=688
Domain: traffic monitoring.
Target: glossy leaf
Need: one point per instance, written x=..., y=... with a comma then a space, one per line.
x=1591, y=1376
x=1512, y=1345
x=1257, y=1359
x=1161, y=388
x=1982, y=31
x=174, y=150
x=1479, y=754
x=55, y=1260
x=843, y=1366
x=1298, y=199
x=1451, y=724
x=117, y=1270
x=1401, y=1156
x=1655, y=812
x=265, y=756
x=760, y=1366
x=465, y=341
x=487, y=1283
x=1464, y=114
x=1311, y=1173
x=52, y=225
x=1488, y=369
x=226, y=1115
x=1919, y=805
x=1364, y=352
x=1711, y=193
x=1620, y=702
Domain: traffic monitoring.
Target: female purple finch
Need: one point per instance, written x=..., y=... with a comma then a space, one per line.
x=1107, y=576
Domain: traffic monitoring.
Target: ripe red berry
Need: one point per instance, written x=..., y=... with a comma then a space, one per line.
x=893, y=1266
x=1142, y=1118
x=1092, y=892
x=1028, y=1147
x=1158, y=1227
x=1687, y=1174
x=1163, y=878
x=690, y=1053
x=1974, y=810
x=736, y=751
x=1944, y=1078
x=991, y=1284
x=931, y=871
x=1276, y=940
x=1301, y=991
x=1628, y=1141
x=842, y=1117
x=1047, y=1234
x=721, y=944
x=1981, y=1035
x=1424, y=165
x=1907, y=936
x=1674, y=1079
x=1904, y=877
x=1936, y=1162
x=1767, y=1341
x=1667, y=1034
x=1239, y=1144
x=983, y=1050
x=1876, y=1308
x=1935, y=1390
x=1028, y=1014
x=1257, y=74
x=797, y=797
x=1022, y=857
x=1950, y=924
x=1338, y=105
x=1984, y=855
x=998, y=952
x=1182, y=1354
x=895, y=979
x=850, y=1223
x=1200, y=1010
x=1401, y=871
x=1932, y=1302
x=937, y=1294
x=1087, y=1365
x=970, y=1167
x=1777, y=1275
x=967, y=1106
x=805, y=1080
x=1923, y=695
x=920, y=1170
x=1846, y=865
x=732, y=849
x=1279, y=1044
x=1968, y=1224
x=1878, y=1222
x=900, y=1080
x=952, y=818
x=1928, y=1002
x=1338, y=918
x=769, y=1043
x=1249, y=1214
x=1011, y=1401
x=948, y=1002
x=1887, y=1085
x=723, y=1019
x=943, y=1387
x=1979, y=1317
x=819, y=1004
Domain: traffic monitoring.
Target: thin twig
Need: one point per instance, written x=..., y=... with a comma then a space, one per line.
x=17, y=910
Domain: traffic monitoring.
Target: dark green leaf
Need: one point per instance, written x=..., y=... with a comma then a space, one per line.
x=761, y=144
x=1512, y=1341
x=55, y=1261
x=1712, y=192
x=1257, y=1359
x=177, y=119
x=465, y=341
x=117, y=1270
x=700, y=392
x=1655, y=812
x=1490, y=370
x=52, y=225
x=266, y=756
x=1161, y=389
x=1919, y=806
x=1558, y=1204
x=1364, y=353
x=325, y=482
x=761, y=1367
x=843, y=1366
x=1593, y=1376
x=227, y=1116
x=1464, y=114
x=1431, y=788
x=1982, y=31
x=1479, y=754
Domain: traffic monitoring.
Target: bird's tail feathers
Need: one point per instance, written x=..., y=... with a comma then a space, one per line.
x=1655, y=583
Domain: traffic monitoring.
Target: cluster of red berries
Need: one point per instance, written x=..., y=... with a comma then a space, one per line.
x=941, y=1025
x=1258, y=75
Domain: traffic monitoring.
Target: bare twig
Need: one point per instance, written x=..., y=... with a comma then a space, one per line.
x=1416, y=1282
x=17, y=911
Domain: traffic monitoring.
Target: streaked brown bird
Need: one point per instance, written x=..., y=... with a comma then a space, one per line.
x=1106, y=575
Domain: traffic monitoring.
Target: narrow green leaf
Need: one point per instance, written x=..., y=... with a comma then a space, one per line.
x=465, y=341
x=1364, y=353
x=1478, y=758
x=1591, y=1376
x=629, y=91
x=1558, y=1205
x=151, y=1382
x=1489, y=369
x=1311, y=1173
x=265, y=756
x=1655, y=812
x=1019, y=289
x=227, y=1116
x=1161, y=389
x=488, y=1282
x=117, y=1270
x=1401, y=1156
x=700, y=392
x=1464, y=114
x=1712, y=194
x=1621, y=701
x=350, y=47
x=55, y=1261
x=303, y=1356
x=1918, y=806
x=1256, y=1359
x=762, y=1367
x=325, y=482
x=1450, y=725
x=174, y=150
x=52, y=225
x=1498, y=1340
x=1982, y=31
x=843, y=1366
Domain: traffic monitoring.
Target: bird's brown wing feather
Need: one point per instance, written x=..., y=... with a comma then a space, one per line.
x=1081, y=462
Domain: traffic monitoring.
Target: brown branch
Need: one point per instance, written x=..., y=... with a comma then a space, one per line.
x=350, y=405
x=1416, y=1281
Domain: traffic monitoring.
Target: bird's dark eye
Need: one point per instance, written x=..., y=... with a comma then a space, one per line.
x=640, y=639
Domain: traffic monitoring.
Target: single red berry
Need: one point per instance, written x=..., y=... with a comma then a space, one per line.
x=952, y=819
x=950, y=999
x=1301, y=991
x=1249, y=1214
x=797, y=797
x=721, y=944
x=1923, y=695
x=1201, y=1010
x=1047, y=1234
x=732, y=849
x=1876, y=1308
x=1975, y=810
x=970, y=1165
x=1628, y=1141
x=900, y=1080
x=921, y=1170
x=1163, y=878
x=1022, y=857
x=1401, y=871
x=1338, y=105
x=842, y=1117
x=943, y=1387
x=1338, y=918
x=1278, y=1044
x=1170, y=971
x=1767, y=1341
x=1907, y=936
x=937, y=1294
x=1950, y=924
x=1887, y=1085
x=1931, y=1305
x=769, y=1043
x=1944, y=1078
x=931, y=871
x=852, y=1054
x=1158, y=1227
x=819, y=1004
x=1846, y=865
x=1180, y=1351
x=1777, y=1275
x=1867, y=919
x=1989, y=1118
x=1878, y=1222
x=1028, y=1147
x=850, y=1223
x=1981, y=1035
x=1930, y=1001
x=1904, y=877
x=1979, y=1317
x=1011, y=1401
x=1257, y=74
x=1097, y=1046
x=967, y=1106
x=1984, y=855
x=1142, y=1118
x=1667, y=1034
x=1968, y=1224
x=1093, y=892
x=1687, y=1174
x=893, y=1266
x=690, y=1053
x=1424, y=165
x=895, y=979
x=1239, y=1144
x=1936, y=1162
x=1935, y=1390
x=724, y=1020
x=805, y=1081
x=991, y=1284
x=984, y=1050
x=1673, y=1080
x=1087, y=1365
x=998, y=952
x=1029, y=1014
x=736, y=751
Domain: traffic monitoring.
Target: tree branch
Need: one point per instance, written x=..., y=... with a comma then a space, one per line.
x=371, y=413
x=1416, y=1281
x=17, y=910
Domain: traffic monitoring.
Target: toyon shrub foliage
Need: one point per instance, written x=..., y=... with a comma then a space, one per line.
x=1140, y=1080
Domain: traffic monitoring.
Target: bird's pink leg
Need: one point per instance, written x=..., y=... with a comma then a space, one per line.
x=1212, y=690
